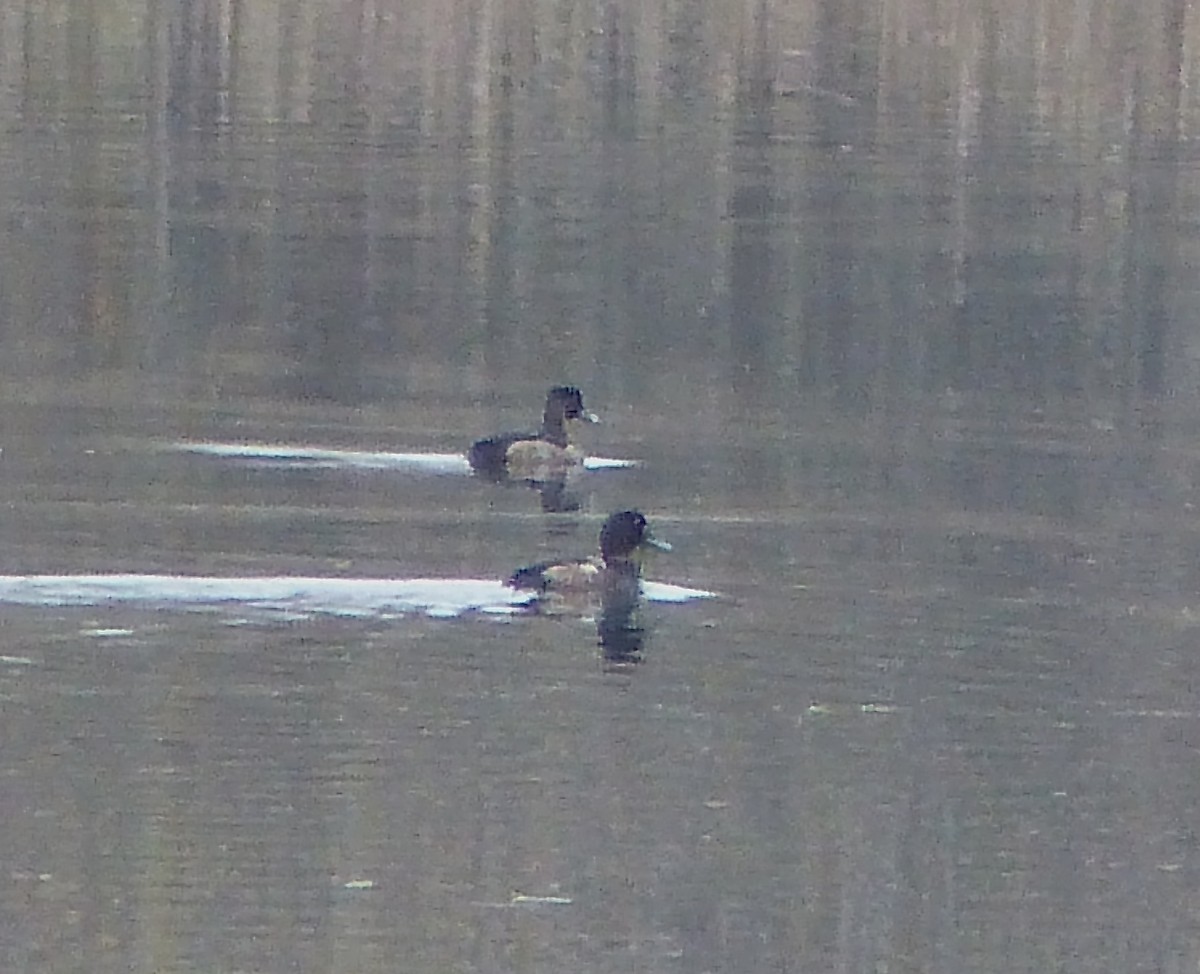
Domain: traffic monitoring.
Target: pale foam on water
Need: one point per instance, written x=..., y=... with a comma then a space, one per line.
x=438, y=597
x=279, y=454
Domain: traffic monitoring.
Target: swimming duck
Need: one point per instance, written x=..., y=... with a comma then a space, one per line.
x=539, y=456
x=624, y=540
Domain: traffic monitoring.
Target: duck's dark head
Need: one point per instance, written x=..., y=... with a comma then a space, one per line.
x=625, y=536
x=566, y=403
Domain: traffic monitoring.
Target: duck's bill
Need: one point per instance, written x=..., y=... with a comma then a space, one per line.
x=656, y=543
x=588, y=418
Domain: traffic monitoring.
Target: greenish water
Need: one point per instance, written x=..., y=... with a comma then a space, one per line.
x=899, y=328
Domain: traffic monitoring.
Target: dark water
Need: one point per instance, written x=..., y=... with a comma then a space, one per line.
x=897, y=317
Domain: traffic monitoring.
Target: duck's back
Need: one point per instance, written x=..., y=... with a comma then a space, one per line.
x=575, y=575
x=523, y=456
x=490, y=455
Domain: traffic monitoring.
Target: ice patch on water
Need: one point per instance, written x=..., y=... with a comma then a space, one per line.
x=278, y=454
x=294, y=596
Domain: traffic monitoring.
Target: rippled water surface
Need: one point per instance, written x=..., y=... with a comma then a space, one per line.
x=889, y=319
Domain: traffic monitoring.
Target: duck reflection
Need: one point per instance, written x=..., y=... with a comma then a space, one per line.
x=555, y=494
x=618, y=625
x=614, y=579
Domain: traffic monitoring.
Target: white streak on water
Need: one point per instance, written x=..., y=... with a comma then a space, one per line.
x=438, y=597
x=278, y=454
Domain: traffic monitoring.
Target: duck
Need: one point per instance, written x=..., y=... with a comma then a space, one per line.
x=536, y=457
x=625, y=538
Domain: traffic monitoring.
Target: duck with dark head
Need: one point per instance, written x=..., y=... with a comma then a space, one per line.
x=614, y=579
x=625, y=539
x=539, y=457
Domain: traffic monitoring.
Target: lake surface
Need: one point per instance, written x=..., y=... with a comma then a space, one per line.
x=892, y=311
